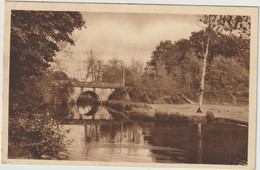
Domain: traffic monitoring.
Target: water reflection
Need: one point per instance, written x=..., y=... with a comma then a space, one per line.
x=90, y=111
x=149, y=142
x=108, y=142
x=98, y=136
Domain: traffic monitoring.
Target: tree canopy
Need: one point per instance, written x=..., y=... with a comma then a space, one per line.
x=180, y=64
x=36, y=37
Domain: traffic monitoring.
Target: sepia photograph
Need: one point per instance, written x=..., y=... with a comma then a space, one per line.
x=116, y=84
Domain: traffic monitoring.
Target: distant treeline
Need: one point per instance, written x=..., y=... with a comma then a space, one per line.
x=175, y=69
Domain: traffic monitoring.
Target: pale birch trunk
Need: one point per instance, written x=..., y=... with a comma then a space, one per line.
x=203, y=74
x=123, y=83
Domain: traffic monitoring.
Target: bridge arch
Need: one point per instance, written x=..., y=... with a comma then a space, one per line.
x=88, y=96
x=101, y=93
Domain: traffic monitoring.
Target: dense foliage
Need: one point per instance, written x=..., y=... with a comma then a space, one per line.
x=177, y=66
x=36, y=137
x=173, y=74
x=182, y=61
x=36, y=37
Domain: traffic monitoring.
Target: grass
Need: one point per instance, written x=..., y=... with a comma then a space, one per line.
x=239, y=113
x=139, y=111
x=179, y=112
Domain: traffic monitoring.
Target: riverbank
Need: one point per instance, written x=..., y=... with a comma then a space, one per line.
x=181, y=112
x=239, y=113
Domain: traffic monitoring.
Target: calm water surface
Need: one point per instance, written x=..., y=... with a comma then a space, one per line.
x=98, y=135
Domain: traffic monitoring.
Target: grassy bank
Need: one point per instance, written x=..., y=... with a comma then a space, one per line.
x=233, y=112
x=171, y=113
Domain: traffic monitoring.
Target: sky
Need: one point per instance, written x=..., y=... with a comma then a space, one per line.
x=126, y=36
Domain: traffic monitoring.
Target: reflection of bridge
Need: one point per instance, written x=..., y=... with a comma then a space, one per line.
x=102, y=89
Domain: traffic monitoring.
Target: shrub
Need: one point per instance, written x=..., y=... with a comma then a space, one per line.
x=35, y=136
x=119, y=94
x=209, y=116
x=118, y=106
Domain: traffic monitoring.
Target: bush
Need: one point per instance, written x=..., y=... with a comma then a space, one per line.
x=209, y=116
x=35, y=137
x=155, y=96
x=116, y=105
x=119, y=94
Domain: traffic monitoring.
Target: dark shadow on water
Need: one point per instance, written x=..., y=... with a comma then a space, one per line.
x=62, y=111
x=214, y=143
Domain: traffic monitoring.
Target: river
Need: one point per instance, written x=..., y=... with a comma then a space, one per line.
x=98, y=135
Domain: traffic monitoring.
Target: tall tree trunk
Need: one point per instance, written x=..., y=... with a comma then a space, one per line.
x=203, y=76
x=123, y=83
x=98, y=74
x=87, y=75
x=92, y=73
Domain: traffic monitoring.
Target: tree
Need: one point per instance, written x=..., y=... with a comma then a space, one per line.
x=173, y=65
x=220, y=44
x=36, y=37
x=92, y=66
x=113, y=71
x=223, y=75
x=238, y=25
x=135, y=73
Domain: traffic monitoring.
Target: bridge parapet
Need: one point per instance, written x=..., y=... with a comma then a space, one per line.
x=103, y=85
x=97, y=85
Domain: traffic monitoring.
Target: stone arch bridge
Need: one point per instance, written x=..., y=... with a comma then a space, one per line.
x=103, y=90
